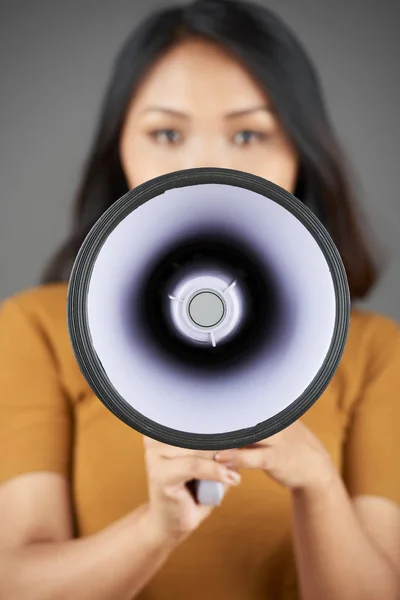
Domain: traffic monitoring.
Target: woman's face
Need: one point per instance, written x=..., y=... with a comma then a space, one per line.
x=198, y=107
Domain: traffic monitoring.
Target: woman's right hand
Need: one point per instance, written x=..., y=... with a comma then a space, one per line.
x=173, y=512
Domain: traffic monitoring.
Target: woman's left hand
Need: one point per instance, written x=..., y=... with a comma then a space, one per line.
x=294, y=457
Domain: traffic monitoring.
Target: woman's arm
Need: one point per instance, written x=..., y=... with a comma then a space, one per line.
x=335, y=558
x=39, y=562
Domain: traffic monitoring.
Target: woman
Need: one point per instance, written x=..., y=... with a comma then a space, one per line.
x=90, y=509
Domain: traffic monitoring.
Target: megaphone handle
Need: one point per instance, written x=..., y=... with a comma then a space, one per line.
x=208, y=492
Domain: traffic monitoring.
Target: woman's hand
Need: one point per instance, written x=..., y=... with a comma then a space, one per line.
x=294, y=457
x=172, y=509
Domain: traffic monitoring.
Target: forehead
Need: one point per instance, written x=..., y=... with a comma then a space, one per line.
x=198, y=69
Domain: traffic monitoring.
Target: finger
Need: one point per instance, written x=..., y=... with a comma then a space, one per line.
x=152, y=443
x=185, y=468
x=245, y=458
x=225, y=455
x=169, y=451
x=149, y=443
x=172, y=452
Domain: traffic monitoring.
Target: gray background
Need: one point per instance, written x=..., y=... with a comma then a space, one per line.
x=55, y=60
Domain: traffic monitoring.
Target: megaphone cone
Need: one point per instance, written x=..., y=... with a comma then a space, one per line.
x=208, y=309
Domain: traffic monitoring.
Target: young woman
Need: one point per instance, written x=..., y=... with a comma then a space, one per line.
x=92, y=510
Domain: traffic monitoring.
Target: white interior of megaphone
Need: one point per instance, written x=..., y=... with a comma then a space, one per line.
x=278, y=376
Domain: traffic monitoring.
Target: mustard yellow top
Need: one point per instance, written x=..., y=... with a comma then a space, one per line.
x=51, y=420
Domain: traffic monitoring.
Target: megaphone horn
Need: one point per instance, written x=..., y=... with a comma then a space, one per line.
x=208, y=309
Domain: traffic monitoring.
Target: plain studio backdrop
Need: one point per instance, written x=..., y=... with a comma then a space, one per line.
x=55, y=62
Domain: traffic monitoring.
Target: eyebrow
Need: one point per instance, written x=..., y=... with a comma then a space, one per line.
x=236, y=113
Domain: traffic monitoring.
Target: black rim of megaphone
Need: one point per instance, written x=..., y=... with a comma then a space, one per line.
x=90, y=364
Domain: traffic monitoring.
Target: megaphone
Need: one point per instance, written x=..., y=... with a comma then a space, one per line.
x=208, y=308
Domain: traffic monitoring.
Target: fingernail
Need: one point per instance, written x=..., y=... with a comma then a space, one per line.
x=232, y=477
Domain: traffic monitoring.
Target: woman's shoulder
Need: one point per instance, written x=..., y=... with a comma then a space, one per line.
x=373, y=343
x=43, y=306
x=42, y=297
x=368, y=326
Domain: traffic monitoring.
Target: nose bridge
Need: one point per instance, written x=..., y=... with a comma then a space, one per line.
x=209, y=151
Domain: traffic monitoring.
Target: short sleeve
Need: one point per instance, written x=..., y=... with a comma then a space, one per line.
x=35, y=423
x=372, y=449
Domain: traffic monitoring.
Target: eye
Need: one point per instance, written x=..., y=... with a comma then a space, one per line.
x=246, y=136
x=165, y=135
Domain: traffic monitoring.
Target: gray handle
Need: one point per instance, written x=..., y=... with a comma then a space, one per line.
x=209, y=492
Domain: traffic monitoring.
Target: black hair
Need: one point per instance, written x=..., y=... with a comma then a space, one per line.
x=277, y=59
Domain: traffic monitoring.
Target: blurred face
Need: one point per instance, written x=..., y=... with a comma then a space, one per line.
x=198, y=107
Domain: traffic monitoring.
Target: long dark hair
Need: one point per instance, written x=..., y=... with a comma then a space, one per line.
x=270, y=51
